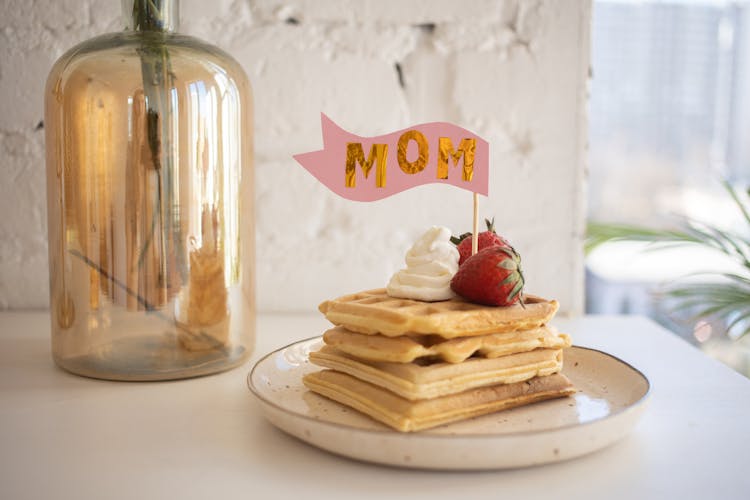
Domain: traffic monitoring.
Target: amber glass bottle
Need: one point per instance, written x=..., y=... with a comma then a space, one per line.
x=150, y=203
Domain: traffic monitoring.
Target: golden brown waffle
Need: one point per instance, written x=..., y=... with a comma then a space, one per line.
x=407, y=416
x=421, y=381
x=374, y=311
x=407, y=348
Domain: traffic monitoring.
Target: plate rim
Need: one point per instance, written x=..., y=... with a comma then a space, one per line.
x=426, y=434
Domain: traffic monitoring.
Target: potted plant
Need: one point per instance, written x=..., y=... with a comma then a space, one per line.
x=724, y=296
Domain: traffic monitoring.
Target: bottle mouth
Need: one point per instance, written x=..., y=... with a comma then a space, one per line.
x=151, y=15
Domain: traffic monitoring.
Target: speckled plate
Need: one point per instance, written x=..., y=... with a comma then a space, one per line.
x=611, y=397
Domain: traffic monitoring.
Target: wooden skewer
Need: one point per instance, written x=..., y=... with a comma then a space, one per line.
x=475, y=231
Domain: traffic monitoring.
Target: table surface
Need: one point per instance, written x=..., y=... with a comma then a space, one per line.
x=63, y=436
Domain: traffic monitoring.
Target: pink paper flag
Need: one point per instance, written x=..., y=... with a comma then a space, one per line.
x=372, y=168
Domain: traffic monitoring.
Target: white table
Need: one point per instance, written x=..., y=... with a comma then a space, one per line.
x=63, y=436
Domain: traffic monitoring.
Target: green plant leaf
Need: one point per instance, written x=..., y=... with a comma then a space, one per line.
x=720, y=300
x=737, y=200
x=730, y=244
x=598, y=233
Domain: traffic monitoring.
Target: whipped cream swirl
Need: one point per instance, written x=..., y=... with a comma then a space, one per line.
x=430, y=264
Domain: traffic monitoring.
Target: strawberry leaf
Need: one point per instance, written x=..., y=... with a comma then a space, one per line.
x=458, y=239
x=511, y=278
x=508, y=265
x=516, y=290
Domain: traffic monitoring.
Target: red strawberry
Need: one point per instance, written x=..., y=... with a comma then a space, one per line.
x=485, y=239
x=492, y=277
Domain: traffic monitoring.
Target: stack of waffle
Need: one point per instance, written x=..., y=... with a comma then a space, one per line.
x=414, y=365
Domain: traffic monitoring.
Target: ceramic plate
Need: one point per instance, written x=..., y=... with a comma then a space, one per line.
x=611, y=397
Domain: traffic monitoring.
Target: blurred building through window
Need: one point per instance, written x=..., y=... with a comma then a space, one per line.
x=669, y=107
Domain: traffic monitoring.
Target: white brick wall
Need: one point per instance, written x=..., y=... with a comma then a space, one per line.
x=514, y=71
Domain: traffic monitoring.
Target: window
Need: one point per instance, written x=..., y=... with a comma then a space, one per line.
x=666, y=108
x=669, y=119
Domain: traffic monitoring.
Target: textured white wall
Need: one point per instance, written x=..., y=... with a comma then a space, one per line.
x=513, y=71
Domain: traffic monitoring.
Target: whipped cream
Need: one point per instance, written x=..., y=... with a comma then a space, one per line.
x=430, y=264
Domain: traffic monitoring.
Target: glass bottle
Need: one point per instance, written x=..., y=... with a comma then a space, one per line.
x=150, y=203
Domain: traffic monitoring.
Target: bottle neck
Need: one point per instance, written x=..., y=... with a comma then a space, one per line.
x=151, y=15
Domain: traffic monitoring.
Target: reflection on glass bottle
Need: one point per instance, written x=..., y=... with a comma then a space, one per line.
x=205, y=320
x=150, y=203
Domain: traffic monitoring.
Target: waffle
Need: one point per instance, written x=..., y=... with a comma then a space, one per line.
x=407, y=416
x=405, y=349
x=414, y=381
x=374, y=311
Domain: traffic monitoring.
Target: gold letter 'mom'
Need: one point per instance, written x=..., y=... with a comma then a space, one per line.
x=355, y=154
x=379, y=154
